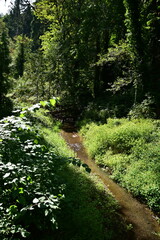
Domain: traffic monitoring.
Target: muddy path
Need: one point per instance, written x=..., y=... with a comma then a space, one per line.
x=145, y=226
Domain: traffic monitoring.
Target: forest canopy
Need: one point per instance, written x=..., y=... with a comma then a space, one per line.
x=102, y=51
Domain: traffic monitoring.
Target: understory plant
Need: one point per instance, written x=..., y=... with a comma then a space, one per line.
x=130, y=149
x=30, y=189
x=45, y=192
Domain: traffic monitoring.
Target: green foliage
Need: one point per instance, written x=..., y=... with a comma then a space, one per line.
x=36, y=83
x=120, y=59
x=134, y=27
x=45, y=193
x=44, y=103
x=30, y=189
x=117, y=135
x=102, y=108
x=43, y=119
x=19, y=55
x=84, y=204
x=95, y=112
x=143, y=109
x=86, y=50
x=51, y=103
x=131, y=150
x=5, y=103
x=145, y=166
x=79, y=32
x=19, y=19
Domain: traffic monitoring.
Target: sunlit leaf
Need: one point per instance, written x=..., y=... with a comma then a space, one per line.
x=6, y=175
x=52, y=102
x=35, y=200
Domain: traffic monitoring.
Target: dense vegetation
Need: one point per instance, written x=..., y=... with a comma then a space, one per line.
x=5, y=103
x=43, y=195
x=130, y=148
x=100, y=59
x=83, y=51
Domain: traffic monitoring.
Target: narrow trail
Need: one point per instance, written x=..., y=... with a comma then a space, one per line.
x=144, y=223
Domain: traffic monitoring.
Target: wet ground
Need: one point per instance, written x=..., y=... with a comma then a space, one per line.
x=145, y=226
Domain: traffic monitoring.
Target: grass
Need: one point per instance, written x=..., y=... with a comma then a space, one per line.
x=130, y=148
x=88, y=210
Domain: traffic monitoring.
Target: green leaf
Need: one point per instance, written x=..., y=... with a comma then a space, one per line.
x=36, y=141
x=52, y=102
x=21, y=190
x=46, y=212
x=53, y=220
x=6, y=175
x=24, y=233
x=21, y=115
x=44, y=103
x=35, y=200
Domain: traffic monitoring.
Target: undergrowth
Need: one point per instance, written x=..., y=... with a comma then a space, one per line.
x=43, y=195
x=130, y=148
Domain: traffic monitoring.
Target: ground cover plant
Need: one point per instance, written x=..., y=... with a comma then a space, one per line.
x=43, y=194
x=30, y=188
x=130, y=149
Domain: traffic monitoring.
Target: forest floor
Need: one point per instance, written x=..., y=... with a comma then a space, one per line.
x=137, y=215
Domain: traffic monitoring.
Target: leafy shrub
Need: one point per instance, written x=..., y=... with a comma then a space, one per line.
x=143, y=109
x=97, y=111
x=43, y=194
x=30, y=189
